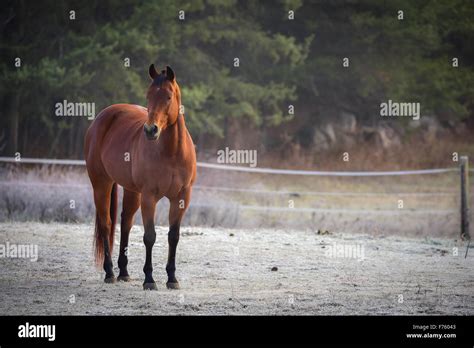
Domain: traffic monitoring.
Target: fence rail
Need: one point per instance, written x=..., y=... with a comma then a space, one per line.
x=252, y=170
x=463, y=169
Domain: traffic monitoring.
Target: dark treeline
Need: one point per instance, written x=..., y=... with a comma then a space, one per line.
x=98, y=51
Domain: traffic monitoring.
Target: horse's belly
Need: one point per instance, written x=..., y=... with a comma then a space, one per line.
x=118, y=165
x=117, y=151
x=121, y=174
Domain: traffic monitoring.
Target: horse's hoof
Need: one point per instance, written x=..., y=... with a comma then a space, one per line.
x=123, y=278
x=109, y=280
x=173, y=286
x=150, y=286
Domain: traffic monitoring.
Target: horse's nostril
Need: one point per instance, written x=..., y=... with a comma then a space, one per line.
x=151, y=132
x=150, y=129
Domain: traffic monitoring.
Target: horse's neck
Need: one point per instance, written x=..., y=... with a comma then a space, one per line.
x=173, y=138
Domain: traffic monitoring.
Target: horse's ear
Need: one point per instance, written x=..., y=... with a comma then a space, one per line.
x=152, y=72
x=170, y=73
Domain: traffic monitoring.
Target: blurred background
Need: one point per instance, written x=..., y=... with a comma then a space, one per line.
x=290, y=57
x=282, y=62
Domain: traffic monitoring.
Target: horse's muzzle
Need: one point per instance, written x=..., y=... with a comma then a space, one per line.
x=151, y=132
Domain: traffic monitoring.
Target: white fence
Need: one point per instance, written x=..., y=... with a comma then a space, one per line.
x=284, y=192
x=248, y=169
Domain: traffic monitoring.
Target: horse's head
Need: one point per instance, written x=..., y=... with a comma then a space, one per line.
x=164, y=99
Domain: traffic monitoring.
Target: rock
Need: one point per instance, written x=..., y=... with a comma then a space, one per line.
x=430, y=128
x=389, y=137
x=320, y=140
x=330, y=133
x=381, y=136
x=347, y=122
x=274, y=269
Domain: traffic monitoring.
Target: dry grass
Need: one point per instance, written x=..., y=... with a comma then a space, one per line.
x=414, y=153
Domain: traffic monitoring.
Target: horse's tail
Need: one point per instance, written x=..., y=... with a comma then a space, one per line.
x=99, y=245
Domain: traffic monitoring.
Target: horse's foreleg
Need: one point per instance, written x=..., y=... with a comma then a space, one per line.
x=177, y=208
x=131, y=203
x=148, y=204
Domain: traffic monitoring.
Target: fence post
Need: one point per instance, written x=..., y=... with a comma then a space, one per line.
x=464, y=197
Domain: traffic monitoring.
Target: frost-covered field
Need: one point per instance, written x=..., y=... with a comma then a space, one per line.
x=229, y=271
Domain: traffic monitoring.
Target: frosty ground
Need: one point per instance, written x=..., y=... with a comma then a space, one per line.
x=239, y=272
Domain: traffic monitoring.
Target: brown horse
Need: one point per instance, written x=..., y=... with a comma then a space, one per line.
x=150, y=153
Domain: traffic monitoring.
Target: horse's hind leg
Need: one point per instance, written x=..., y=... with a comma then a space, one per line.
x=104, y=233
x=177, y=208
x=131, y=203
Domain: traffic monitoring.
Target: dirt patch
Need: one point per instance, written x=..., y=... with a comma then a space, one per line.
x=257, y=272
